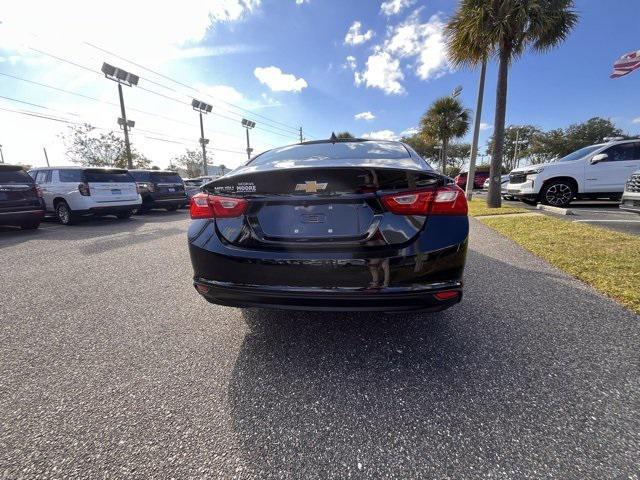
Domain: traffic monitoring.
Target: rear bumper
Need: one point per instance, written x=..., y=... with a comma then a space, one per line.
x=20, y=217
x=422, y=298
x=393, y=279
x=630, y=202
x=150, y=201
x=107, y=210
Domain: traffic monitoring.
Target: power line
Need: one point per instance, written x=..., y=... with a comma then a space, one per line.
x=150, y=91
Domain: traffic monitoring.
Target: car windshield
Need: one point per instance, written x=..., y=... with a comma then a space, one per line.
x=14, y=176
x=578, y=154
x=107, y=176
x=333, y=151
x=165, y=177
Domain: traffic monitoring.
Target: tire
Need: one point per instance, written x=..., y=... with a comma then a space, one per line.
x=65, y=214
x=171, y=208
x=31, y=225
x=558, y=193
x=124, y=215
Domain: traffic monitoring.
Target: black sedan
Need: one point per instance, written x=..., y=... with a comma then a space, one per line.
x=331, y=225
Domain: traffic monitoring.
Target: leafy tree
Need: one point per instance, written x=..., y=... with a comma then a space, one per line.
x=506, y=28
x=85, y=146
x=445, y=120
x=425, y=147
x=172, y=166
x=513, y=153
x=191, y=162
x=344, y=135
x=459, y=154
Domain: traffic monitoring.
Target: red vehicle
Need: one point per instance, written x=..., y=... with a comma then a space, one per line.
x=478, y=181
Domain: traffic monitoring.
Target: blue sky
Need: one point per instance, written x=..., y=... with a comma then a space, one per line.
x=370, y=67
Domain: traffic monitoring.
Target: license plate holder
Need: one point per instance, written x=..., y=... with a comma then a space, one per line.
x=116, y=191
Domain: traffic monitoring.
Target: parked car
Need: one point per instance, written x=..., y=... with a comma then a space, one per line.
x=21, y=201
x=160, y=189
x=596, y=171
x=331, y=225
x=192, y=186
x=631, y=195
x=478, y=179
x=504, y=181
x=76, y=192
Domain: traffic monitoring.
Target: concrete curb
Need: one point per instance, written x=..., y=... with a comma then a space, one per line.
x=556, y=210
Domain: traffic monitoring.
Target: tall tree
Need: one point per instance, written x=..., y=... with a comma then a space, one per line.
x=191, y=162
x=518, y=140
x=445, y=120
x=505, y=29
x=85, y=146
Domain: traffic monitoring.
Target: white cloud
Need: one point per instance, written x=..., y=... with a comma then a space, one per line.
x=422, y=43
x=382, y=71
x=364, y=116
x=354, y=35
x=409, y=132
x=486, y=126
x=300, y=2
x=278, y=81
x=351, y=62
x=636, y=120
x=381, y=135
x=393, y=7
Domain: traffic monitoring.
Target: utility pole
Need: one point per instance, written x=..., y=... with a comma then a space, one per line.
x=125, y=127
x=471, y=174
x=301, y=137
x=248, y=125
x=129, y=79
x=201, y=108
x=46, y=157
x=1, y=155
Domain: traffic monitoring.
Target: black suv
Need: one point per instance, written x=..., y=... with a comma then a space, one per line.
x=21, y=201
x=160, y=189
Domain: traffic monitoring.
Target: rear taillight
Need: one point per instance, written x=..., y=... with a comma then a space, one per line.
x=84, y=189
x=204, y=205
x=447, y=295
x=447, y=200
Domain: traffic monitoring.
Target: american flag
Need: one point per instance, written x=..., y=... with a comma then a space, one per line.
x=626, y=64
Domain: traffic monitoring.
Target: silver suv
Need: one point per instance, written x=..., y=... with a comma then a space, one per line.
x=75, y=192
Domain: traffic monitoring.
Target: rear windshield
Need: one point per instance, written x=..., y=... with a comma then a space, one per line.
x=15, y=176
x=193, y=183
x=107, y=176
x=140, y=176
x=334, y=151
x=160, y=177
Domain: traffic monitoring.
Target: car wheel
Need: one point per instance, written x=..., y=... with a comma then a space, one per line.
x=171, y=208
x=124, y=215
x=31, y=225
x=558, y=193
x=65, y=214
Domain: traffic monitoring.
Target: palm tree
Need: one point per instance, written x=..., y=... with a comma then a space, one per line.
x=505, y=29
x=445, y=120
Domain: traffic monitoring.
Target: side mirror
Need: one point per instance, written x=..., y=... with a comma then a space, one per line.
x=601, y=157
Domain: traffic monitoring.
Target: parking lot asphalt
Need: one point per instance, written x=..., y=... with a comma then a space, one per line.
x=112, y=366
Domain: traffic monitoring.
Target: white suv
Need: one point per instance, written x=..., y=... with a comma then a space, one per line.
x=74, y=192
x=597, y=171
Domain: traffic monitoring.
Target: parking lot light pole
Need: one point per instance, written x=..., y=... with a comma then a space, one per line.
x=201, y=108
x=1, y=155
x=129, y=79
x=248, y=125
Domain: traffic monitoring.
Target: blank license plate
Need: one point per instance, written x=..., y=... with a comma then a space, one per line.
x=172, y=189
x=116, y=191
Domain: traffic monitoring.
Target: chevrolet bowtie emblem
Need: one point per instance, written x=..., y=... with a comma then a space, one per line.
x=310, y=186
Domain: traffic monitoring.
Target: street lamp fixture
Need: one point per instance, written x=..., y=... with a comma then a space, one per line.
x=122, y=77
x=248, y=125
x=201, y=108
x=456, y=91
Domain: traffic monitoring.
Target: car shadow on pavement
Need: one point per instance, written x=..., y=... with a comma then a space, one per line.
x=88, y=228
x=487, y=388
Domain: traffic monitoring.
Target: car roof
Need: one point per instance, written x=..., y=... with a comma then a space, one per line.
x=10, y=168
x=153, y=171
